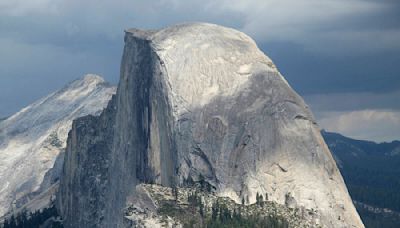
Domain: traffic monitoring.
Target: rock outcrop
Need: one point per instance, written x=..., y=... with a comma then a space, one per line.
x=158, y=207
x=200, y=101
x=32, y=141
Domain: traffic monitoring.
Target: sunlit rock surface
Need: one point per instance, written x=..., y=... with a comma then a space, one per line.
x=32, y=139
x=200, y=101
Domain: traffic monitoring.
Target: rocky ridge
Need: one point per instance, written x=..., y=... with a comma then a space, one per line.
x=32, y=141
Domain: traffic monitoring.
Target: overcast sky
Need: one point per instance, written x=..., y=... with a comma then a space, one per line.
x=342, y=56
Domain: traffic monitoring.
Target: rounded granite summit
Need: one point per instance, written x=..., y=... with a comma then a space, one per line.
x=204, y=60
x=201, y=101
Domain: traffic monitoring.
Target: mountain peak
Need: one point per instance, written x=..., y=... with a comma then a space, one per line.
x=204, y=60
x=200, y=103
x=86, y=80
x=31, y=139
x=92, y=78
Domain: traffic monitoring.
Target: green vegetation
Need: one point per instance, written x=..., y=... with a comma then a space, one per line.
x=372, y=175
x=220, y=212
x=54, y=140
x=378, y=220
x=223, y=217
x=36, y=219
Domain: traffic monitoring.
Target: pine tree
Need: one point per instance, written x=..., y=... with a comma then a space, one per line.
x=175, y=192
x=6, y=224
x=214, y=211
x=201, y=209
x=12, y=222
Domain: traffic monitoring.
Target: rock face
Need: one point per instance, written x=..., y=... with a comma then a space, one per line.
x=200, y=101
x=33, y=140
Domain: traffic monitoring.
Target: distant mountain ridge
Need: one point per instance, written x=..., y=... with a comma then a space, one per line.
x=372, y=175
x=32, y=139
x=366, y=146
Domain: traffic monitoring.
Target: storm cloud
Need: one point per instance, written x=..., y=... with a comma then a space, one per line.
x=340, y=55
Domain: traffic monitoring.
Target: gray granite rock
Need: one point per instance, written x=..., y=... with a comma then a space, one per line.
x=32, y=141
x=200, y=101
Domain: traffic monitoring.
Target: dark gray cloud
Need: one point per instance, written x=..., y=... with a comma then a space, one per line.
x=344, y=102
x=316, y=73
x=341, y=55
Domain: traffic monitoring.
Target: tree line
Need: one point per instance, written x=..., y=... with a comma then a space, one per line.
x=33, y=219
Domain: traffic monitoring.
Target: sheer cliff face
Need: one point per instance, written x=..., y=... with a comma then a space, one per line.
x=32, y=139
x=130, y=142
x=200, y=100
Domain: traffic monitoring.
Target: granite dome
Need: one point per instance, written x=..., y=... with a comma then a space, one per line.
x=200, y=100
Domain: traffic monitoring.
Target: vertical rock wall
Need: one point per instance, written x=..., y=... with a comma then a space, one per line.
x=200, y=100
x=82, y=196
x=131, y=142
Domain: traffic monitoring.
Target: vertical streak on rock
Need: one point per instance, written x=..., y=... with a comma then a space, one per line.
x=84, y=179
x=143, y=143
